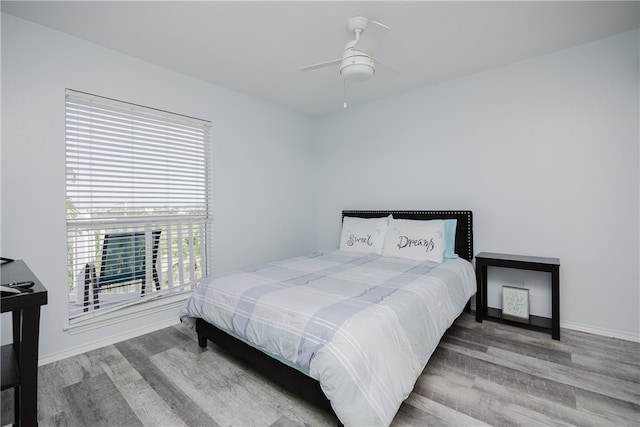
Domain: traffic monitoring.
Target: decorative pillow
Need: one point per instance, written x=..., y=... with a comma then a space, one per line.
x=450, y=238
x=417, y=240
x=363, y=234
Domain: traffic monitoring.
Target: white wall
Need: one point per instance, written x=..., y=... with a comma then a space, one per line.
x=262, y=158
x=544, y=151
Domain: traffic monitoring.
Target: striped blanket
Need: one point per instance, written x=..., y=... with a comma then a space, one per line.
x=363, y=325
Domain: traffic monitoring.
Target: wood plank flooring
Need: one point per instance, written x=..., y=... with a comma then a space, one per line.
x=481, y=374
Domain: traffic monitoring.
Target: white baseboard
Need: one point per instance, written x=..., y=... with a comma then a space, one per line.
x=107, y=341
x=600, y=331
x=174, y=321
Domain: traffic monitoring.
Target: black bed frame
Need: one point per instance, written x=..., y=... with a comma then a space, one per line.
x=293, y=379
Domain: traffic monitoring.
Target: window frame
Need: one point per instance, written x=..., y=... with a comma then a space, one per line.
x=191, y=208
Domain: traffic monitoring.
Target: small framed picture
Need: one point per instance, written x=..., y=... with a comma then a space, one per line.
x=515, y=302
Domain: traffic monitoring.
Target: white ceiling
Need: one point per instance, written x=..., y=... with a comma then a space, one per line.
x=257, y=47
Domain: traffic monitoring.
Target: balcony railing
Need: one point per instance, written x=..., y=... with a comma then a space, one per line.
x=181, y=263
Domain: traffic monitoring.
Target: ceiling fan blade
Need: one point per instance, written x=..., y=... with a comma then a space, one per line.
x=384, y=71
x=321, y=65
x=371, y=37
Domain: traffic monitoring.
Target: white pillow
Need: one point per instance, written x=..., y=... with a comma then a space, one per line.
x=363, y=234
x=416, y=240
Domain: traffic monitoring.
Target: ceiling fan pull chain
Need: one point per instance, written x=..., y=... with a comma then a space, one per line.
x=345, y=93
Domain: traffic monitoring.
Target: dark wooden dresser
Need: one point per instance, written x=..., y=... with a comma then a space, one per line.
x=20, y=358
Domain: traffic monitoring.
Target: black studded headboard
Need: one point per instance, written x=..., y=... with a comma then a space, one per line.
x=464, y=229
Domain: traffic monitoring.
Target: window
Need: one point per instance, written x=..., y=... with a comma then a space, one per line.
x=138, y=205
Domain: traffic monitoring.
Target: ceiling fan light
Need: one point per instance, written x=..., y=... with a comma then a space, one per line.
x=357, y=72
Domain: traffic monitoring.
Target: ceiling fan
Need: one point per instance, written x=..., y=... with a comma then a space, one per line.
x=357, y=62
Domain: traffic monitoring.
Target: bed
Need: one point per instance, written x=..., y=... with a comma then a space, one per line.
x=349, y=331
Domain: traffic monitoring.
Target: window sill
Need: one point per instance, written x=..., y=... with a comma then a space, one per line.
x=99, y=320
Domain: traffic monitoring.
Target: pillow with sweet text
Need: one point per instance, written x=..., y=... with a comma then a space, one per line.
x=363, y=234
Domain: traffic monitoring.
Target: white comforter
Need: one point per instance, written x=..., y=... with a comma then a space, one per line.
x=363, y=325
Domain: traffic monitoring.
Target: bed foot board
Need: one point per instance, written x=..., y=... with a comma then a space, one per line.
x=288, y=377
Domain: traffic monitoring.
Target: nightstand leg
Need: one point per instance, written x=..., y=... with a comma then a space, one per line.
x=555, y=303
x=481, y=279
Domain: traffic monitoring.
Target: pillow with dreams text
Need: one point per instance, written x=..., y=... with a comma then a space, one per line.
x=416, y=240
x=363, y=234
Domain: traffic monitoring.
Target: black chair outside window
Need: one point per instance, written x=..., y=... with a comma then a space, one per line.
x=123, y=261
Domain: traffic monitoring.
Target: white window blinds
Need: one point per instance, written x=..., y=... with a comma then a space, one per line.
x=138, y=202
